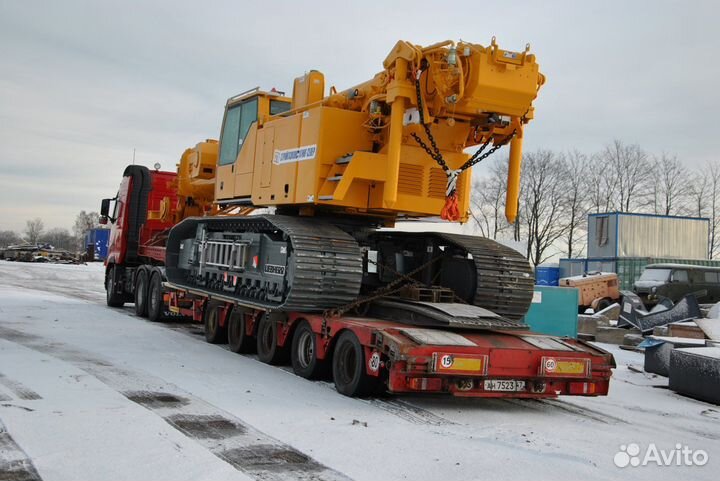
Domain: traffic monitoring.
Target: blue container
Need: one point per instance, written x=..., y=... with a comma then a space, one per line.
x=554, y=311
x=547, y=276
x=99, y=239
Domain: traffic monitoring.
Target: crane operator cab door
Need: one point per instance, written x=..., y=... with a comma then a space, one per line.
x=240, y=116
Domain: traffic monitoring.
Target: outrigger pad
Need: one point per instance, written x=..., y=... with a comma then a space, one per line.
x=440, y=314
x=686, y=309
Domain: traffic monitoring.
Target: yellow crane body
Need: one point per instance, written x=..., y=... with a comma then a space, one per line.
x=375, y=149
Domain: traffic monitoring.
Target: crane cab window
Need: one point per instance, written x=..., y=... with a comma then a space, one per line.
x=278, y=106
x=238, y=120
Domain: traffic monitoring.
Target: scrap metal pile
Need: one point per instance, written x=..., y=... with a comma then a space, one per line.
x=38, y=253
x=681, y=341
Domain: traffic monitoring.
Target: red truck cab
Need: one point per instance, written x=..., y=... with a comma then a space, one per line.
x=143, y=213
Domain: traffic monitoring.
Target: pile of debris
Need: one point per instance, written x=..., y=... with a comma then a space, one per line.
x=681, y=341
x=38, y=253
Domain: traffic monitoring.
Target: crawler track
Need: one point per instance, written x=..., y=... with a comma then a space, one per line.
x=324, y=266
x=504, y=283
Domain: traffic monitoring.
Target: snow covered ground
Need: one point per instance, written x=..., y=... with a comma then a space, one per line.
x=89, y=392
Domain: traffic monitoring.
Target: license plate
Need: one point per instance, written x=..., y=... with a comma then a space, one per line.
x=507, y=385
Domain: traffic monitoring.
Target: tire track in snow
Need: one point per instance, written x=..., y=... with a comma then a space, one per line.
x=15, y=465
x=220, y=432
x=19, y=389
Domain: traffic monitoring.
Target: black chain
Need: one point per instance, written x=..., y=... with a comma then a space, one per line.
x=383, y=291
x=479, y=158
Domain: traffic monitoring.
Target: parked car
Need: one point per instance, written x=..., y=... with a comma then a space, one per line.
x=674, y=281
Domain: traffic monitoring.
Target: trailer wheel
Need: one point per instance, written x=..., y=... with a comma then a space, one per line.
x=267, y=343
x=348, y=364
x=303, y=355
x=141, y=293
x=604, y=303
x=238, y=340
x=111, y=284
x=214, y=332
x=155, y=298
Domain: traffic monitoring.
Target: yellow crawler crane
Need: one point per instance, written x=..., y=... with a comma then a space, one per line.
x=394, y=145
x=338, y=166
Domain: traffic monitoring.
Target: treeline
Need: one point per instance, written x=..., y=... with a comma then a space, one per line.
x=58, y=237
x=559, y=189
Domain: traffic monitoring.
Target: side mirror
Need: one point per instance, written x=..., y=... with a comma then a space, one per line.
x=105, y=208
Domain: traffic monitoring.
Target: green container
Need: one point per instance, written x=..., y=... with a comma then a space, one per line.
x=554, y=311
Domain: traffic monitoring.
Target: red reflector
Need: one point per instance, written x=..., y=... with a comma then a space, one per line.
x=425, y=383
x=581, y=388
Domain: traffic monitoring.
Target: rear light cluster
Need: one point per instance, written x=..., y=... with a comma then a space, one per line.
x=581, y=387
x=425, y=383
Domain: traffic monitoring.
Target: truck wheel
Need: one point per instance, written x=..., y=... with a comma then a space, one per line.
x=238, y=340
x=155, y=299
x=267, y=346
x=304, y=353
x=111, y=282
x=214, y=332
x=141, y=293
x=349, y=374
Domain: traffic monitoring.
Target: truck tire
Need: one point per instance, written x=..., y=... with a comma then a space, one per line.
x=214, y=332
x=111, y=280
x=267, y=343
x=349, y=373
x=238, y=339
x=303, y=354
x=155, y=299
x=141, y=293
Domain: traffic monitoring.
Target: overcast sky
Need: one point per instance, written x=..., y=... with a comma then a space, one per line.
x=82, y=83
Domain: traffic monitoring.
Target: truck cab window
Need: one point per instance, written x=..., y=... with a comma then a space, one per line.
x=680, y=276
x=238, y=120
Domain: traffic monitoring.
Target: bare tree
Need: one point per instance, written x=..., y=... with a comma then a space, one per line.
x=542, y=203
x=9, y=237
x=669, y=187
x=83, y=223
x=488, y=201
x=712, y=172
x=697, y=193
x=629, y=166
x=576, y=169
x=600, y=184
x=59, y=238
x=33, y=230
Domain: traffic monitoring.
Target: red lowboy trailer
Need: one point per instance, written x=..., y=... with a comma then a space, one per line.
x=363, y=354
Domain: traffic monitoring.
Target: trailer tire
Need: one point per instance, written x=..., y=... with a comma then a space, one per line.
x=141, y=293
x=349, y=374
x=604, y=303
x=238, y=339
x=112, y=297
x=155, y=298
x=303, y=354
x=267, y=343
x=214, y=332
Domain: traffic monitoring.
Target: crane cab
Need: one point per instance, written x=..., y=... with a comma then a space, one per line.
x=243, y=112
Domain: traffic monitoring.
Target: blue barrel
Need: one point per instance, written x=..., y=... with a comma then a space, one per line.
x=547, y=276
